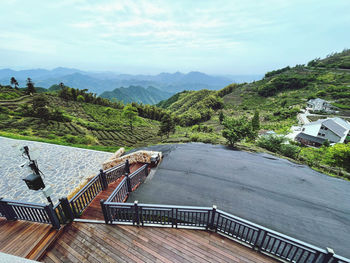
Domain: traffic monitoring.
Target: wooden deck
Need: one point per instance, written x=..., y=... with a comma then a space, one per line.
x=25, y=239
x=85, y=242
x=94, y=211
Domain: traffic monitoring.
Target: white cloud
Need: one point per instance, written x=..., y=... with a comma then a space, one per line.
x=135, y=30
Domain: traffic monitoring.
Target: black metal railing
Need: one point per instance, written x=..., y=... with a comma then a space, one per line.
x=85, y=196
x=236, y=228
x=119, y=194
x=114, y=173
x=267, y=241
x=138, y=176
x=17, y=210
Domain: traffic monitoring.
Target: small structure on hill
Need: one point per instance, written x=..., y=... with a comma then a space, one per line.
x=320, y=105
x=335, y=130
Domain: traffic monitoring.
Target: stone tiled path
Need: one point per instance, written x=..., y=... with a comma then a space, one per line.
x=64, y=168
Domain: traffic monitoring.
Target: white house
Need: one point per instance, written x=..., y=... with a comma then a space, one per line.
x=335, y=130
x=320, y=105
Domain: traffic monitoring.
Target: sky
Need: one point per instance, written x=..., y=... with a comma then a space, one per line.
x=148, y=37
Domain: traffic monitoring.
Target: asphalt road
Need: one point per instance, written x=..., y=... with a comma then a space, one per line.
x=290, y=198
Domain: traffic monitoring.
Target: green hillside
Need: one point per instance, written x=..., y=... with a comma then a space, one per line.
x=72, y=122
x=278, y=96
x=192, y=107
x=137, y=94
x=336, y=60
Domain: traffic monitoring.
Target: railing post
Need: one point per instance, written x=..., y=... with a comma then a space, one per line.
x=52, y=216
x=104, y=211
x=328, y=257
x=128, y=182
x=75, y=210
x=103, y=179
x=136, y=218
x=260, y=239
x=7, y=210
x=174, y=217
x=212, y=219
x=67, y=209
x=127, y=167
x=146, y=172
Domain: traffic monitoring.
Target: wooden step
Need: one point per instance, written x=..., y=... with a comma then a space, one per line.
x=39, y=250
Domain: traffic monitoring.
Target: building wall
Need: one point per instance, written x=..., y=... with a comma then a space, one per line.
x=329, y=135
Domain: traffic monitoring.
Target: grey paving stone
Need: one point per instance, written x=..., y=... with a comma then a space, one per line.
x=64, y=168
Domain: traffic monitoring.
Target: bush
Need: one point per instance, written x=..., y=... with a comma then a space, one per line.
x=271, y=142
x=237, y=129
x=204, y=137
x=277, y=144
x=202, y=128
x=87, y=139
x=289, y=150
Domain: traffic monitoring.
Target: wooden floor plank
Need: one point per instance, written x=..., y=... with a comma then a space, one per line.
x=86, y=242
x=20, y=238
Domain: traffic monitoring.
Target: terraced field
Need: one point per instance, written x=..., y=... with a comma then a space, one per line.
x=89, y=124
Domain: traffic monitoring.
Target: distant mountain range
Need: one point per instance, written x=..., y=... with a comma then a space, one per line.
x=138, y=94
x=98, y=82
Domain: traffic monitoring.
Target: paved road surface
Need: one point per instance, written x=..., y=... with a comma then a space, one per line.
x=290, y=198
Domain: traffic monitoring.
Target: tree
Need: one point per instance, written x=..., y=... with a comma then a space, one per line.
x=236, y=130
x=40, y=107
x=221, y=116
x=14, y=82
x=256, y=121
x=80, y=98
x=339, y=156
x=65, y=92
x=30, y=86
x=130, y=113
x=167, y=125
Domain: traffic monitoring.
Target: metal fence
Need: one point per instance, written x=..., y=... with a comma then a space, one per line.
x=114, y=173
x=41, y=213
x=257, y=237
x=138, y=176
x=85, y=196
x=100, y=182
x=119, y=194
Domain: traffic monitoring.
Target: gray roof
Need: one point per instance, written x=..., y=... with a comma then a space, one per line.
x=334, y=127
x=317, y=100
x=310, y=138
x=342, y=122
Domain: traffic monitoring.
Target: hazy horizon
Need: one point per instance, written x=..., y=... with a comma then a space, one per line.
x=150, y=37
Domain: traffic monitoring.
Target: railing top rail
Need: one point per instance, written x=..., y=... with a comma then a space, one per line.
x=77, y=195
x=120, y=185
x=114, y=168
x=137, y=171
x=162, y=206
x=23, y=203
x=277, y=234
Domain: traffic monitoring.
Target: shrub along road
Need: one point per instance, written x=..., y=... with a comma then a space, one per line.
x=290, y=198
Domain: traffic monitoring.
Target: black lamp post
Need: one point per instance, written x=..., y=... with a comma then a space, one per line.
x=34, y=181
